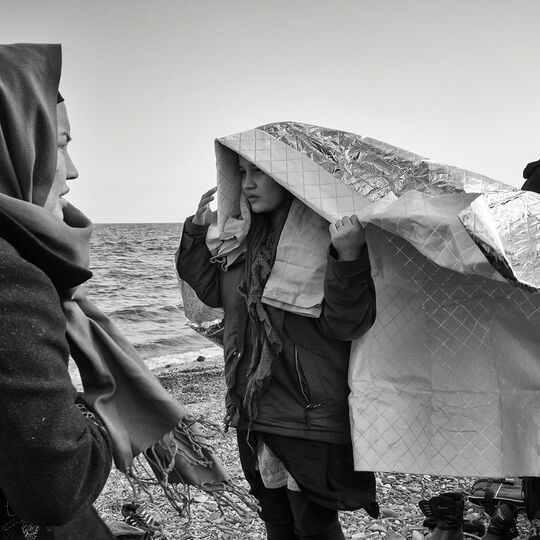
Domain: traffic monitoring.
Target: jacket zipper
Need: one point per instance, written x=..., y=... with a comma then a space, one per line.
x=304, y=387
x=300, y=376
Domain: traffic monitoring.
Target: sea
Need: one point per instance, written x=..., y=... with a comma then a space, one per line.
x=135, y=284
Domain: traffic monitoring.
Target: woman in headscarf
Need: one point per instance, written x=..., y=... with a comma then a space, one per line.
x=55, y=452
x=286, y=370
x=54, y=460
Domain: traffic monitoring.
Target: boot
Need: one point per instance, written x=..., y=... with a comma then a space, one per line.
x=474, y=528
x=446, y=510
x=503, y=523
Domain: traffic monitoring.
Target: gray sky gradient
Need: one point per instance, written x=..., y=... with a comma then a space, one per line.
x=150, y=84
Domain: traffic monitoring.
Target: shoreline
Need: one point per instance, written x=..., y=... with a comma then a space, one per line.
x=210, y=352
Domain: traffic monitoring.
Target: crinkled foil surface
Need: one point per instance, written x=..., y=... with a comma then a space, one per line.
x=506, y=226
x=375, y=168
x=503, y=221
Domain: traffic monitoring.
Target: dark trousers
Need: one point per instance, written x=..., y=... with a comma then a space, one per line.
x=287, y=515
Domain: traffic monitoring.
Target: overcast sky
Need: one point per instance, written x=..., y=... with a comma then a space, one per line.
x=150, y=84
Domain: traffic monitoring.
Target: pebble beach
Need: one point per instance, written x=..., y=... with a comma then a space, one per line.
x=135, y=284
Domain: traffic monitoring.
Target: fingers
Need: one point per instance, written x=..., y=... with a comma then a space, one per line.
x=348, y=237
x=207, y=198
x=351, y=221
x=355, y=221
x=205, y=201
x=346, y=222
x=209, y=195
x=210, y=192
x=203, y=215
x=333, y=228
x=336, y=228
x=340, y=223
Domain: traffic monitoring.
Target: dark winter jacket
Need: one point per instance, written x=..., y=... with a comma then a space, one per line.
x=53, y=460
x=308, y=393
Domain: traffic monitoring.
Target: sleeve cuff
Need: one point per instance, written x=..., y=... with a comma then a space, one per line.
x=196, y=231
x=349, y=268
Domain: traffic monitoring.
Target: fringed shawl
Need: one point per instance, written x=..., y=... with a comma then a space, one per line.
x=140, y=416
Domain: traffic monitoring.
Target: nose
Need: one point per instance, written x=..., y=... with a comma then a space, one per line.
x=71, y=170
x=248, y=180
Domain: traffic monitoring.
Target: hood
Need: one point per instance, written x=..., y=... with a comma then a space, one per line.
x=460, y=219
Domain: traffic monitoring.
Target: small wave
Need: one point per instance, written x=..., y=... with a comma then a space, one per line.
x=170, y=308
x=183, y=341
x=130, y=313
x=176, y=340
x=156, y=314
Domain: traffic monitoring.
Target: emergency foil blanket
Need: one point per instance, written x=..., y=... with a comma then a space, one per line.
x=447, y=381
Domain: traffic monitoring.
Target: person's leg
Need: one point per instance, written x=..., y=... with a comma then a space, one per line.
x=275, y=508
x=325, y=472
x=531, y=496
x=328, y=482
x=276, y=514
x=313, y=521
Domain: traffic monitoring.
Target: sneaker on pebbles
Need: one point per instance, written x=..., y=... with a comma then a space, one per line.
x=136, y=516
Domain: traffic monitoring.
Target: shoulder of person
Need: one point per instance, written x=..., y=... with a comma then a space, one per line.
x=16, y=271
x=7, y=251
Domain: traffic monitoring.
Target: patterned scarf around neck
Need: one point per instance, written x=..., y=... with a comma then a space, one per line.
x=262, y=241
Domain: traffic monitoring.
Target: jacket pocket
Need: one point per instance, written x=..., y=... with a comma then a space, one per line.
x=310, y=388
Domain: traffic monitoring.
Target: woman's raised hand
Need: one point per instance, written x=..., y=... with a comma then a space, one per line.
x=203, y=215
x=348, y=237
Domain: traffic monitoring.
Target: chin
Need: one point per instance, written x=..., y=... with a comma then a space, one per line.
x=263, y=209
x=59, y=212
x=256, y=209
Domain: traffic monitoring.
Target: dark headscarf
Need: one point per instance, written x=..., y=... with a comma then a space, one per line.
x=138, y=413
x=29, y=80
x=531, y=173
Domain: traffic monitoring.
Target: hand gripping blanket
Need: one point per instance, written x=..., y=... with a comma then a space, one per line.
x=447, y=381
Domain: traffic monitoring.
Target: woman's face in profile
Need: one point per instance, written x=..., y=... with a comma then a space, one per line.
x=65, y=170
x=263, y=193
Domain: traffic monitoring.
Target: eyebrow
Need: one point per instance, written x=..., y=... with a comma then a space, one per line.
x=250, y=166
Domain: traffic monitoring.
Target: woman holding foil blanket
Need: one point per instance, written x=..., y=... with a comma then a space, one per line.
x=56, y=449
x=295, y=292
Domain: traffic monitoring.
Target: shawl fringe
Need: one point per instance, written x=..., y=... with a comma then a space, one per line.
x=183, y=461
